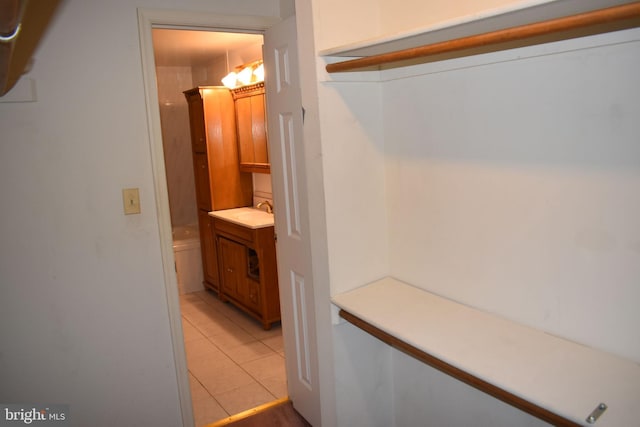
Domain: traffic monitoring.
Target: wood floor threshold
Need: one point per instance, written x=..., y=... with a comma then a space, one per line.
x=249, y=412
x=459, y=374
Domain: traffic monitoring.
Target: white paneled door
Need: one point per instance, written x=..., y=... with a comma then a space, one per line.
x=284, y=113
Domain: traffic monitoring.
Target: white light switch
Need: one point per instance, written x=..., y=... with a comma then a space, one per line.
x=131, y=200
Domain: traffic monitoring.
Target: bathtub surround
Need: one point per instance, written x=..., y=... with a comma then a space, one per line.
x=174, y=116
x=186, y=250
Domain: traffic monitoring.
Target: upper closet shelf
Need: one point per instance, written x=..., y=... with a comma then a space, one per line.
x=542, y=23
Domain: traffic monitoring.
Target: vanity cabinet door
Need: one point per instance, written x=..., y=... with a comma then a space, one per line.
x=209, y=251
x=253, y=294
x=233, y=267
x=249, y=293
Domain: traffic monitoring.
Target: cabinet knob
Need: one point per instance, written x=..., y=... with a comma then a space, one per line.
x=230, y=270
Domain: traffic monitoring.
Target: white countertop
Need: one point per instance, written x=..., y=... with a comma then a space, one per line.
x=564, y=377
x=247, y=217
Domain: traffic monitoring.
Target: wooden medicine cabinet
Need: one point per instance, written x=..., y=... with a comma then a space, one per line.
x=251, y=128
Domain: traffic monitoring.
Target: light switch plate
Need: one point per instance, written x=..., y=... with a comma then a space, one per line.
x=131, y=200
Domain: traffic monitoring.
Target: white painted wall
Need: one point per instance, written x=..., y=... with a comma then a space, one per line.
x=340, y=22
x=396, y=17
x=343, y=23
x=354, y=184
x=83, y=312
x=425, y=396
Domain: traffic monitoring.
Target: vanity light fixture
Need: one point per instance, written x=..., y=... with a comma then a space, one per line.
x=245, y=75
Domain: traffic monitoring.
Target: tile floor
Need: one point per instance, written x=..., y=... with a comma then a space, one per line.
x=233, y=363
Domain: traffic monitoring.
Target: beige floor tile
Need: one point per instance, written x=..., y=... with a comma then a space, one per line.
x=243, y=398
x=266, y=367
x=190, y=306
x=190, y=297
x=276, y=385
x=190, y=332
x=203, y=349
x=210, y=328
x=205, y=408
x=246, y=322
x=231, y=337
x=207, y=411
x=198, y=392
x=208, y=296
x=225, y=308
x=275, y=343
x=248, y=352
x=204, y=317
x=275, y=331
x=228, y=352
x=220, y=376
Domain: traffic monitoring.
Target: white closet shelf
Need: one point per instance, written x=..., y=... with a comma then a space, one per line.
x=542, y=22
x=556, y=380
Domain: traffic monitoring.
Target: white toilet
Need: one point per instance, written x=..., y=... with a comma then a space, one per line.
x=186, y=250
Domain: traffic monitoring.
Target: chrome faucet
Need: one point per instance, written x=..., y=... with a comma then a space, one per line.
x=267, y=204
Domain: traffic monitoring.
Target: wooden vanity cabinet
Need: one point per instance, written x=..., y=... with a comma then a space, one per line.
x=251, y=128
x=219, y=182
x=208, y=251
x=248, y=271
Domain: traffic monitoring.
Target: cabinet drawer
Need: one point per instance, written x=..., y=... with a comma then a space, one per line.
x=233, y=230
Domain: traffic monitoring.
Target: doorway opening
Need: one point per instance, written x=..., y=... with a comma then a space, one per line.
x=233, y=363
x=298, y=214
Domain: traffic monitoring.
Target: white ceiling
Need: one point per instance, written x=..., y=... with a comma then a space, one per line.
x=192, y=47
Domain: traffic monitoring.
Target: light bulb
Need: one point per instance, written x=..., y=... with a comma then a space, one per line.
x=245, y=76
x=230, y=80
x=259, y=73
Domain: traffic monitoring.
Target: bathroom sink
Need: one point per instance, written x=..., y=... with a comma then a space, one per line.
x=247, y=217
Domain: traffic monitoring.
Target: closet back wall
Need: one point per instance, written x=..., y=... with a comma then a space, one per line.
x=512, y=182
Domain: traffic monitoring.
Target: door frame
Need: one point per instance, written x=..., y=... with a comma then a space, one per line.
x=150, y=18
x=147, y=20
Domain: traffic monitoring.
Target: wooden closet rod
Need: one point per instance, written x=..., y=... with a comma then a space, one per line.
x=602, y=20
